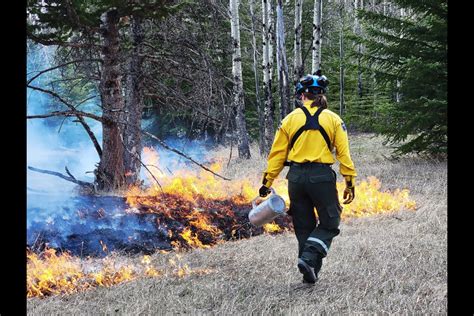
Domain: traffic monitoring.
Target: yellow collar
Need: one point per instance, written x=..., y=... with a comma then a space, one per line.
x=307, y=104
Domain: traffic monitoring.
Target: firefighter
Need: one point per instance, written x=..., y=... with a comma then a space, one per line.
x=305, y=141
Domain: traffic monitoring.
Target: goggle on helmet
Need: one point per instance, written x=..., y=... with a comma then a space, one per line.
x=312, y=83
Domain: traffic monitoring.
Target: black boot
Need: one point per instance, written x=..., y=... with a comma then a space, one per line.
x=307, y=271
x=318, y=263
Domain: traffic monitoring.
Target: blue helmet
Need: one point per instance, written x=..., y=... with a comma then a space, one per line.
x=315, y=84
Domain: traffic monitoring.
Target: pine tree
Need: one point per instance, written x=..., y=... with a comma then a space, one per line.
x=411, y=50
x=62, y=23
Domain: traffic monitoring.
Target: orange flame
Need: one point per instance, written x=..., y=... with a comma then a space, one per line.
x=64, y=274
x=202, y=223
x=61, y=274
x=52, y=274
x=190, y=184
x=370, y=200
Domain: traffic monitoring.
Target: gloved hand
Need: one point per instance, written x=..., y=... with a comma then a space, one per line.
x=264, y=191
x=349, y=191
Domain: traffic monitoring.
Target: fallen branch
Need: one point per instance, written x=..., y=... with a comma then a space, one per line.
x=162, y=143
x=70, y=178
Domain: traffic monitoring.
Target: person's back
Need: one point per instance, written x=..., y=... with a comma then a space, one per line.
x=305, y=141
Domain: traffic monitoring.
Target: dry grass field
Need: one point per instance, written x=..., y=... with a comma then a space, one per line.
x=388, y=263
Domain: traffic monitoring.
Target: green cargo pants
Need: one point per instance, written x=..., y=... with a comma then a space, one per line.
x=314, y=186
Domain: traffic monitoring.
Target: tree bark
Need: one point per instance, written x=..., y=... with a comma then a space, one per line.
x=261, y=129
x=298, y=61
x=134, y=103
x=271, y=34
x=358, y=4
x=341, y=61
x=110, y=174
x=282, y=64
x=269, y=108
x=398, y=82
x=238, y=89
x=317, y=17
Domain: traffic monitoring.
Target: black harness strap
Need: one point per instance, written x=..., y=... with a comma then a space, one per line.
x=312, y=123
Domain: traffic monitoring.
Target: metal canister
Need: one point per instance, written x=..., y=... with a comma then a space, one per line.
x=268, y=210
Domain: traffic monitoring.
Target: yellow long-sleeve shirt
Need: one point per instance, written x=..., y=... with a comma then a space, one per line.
x=310, y=145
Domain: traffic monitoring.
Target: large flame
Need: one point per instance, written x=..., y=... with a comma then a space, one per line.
x=197, y=200
x=192, y=186
x=370, y=200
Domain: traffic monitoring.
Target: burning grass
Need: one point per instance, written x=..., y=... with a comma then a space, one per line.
x=392, y=262
x=50, y=273
x=190, y=210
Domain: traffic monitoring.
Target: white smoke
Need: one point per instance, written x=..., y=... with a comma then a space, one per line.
x=53, y=146
x=49, y=147
x=52, y=202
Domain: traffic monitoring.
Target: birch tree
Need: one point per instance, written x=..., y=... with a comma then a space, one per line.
x=238, y=89
x=317, y=17
x=271, y=35
x=341, y=60
x=269, y=108
x=282, y=64
x=358, y=5
x=397, y=93
x=298, y=61
x=261, y=127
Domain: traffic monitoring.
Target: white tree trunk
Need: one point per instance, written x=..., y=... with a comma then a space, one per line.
x=265, y=59
x=341, y=61
x=282, y=64
x=271, y=35
x=261, y=126
x=238, y=95
x=358, y=4
x=298, y=60
x=269, y=108
x=317, y=17
x=397, y=94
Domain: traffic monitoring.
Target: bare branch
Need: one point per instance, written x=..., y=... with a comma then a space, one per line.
x=58, y=42
x=156, y=96
x=151, y=173
x=66, y=113
x=162, y=143
x=59, y=66
x=79, y=117
x=69, y=173
x=137, y=156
